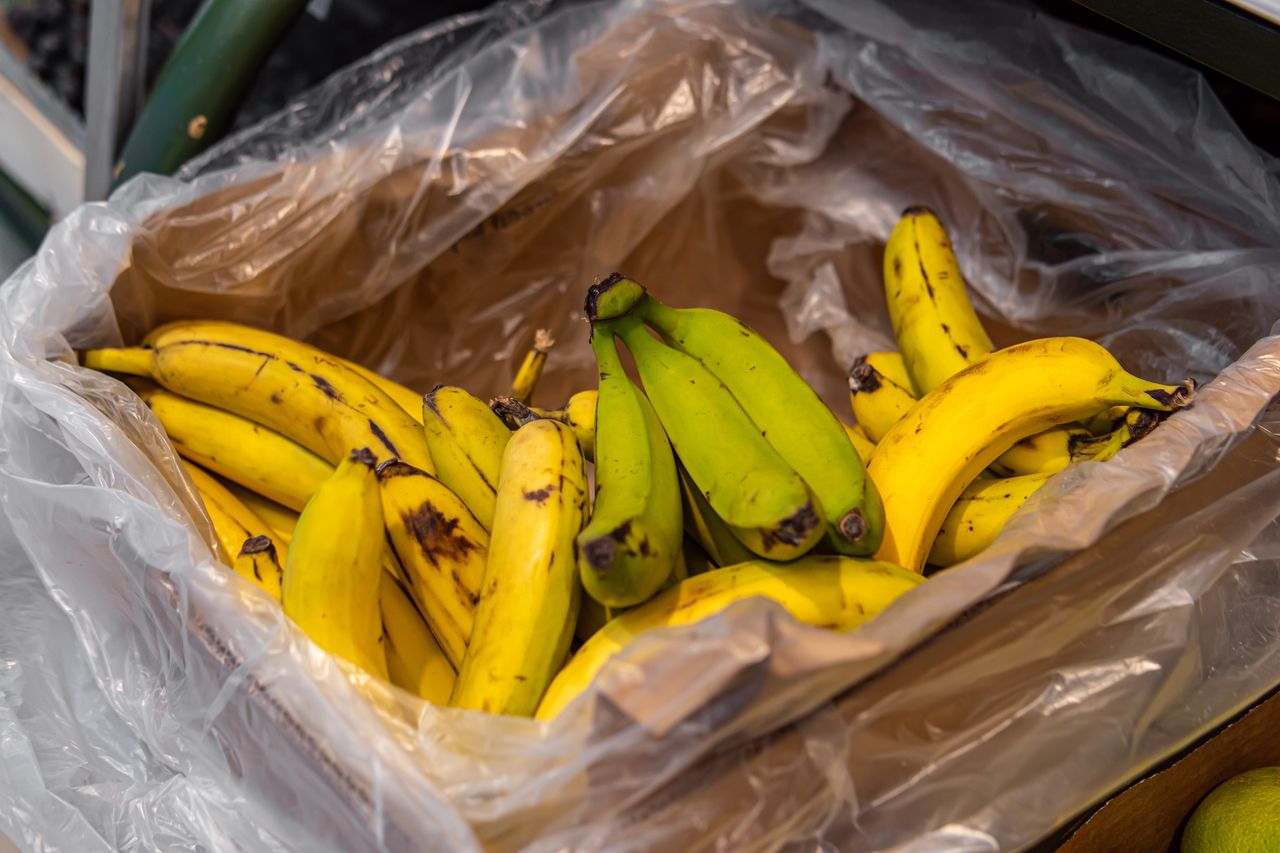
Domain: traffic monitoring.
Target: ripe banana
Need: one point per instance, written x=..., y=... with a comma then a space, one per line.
x=530, y=371
x=334, y=570
x=924, y=462
x=295, y=389
x=579, y=415
x=978, y=516
x=530, y=598
x=935, y=324
x=627, y=550
x=833, y=592
x=237, y=525
x=442, y=548
x=786, y=411
x=238, y=449
x=466, y=440
x=415, y=660
x=880, y=392
x=1050, y=451
x=764, y=501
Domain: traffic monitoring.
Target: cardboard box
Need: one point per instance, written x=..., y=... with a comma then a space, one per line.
x=1150, y=815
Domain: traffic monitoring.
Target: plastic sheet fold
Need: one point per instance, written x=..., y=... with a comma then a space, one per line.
x=427, y=209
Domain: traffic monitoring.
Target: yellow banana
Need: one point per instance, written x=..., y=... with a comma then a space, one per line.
x=235, y=525
x=1050, y=451
x=935, y=324
x=880, y=392
x=442, y=548
x=239, y=449
x=466, y=440
x=839, y=593
x=978, y=516
x=708, y=529
x=415, y=661
x=925, y=461
x=334, y=570
x=296, y=390
x=579, y=415
x=529, y=605
x=530, y=371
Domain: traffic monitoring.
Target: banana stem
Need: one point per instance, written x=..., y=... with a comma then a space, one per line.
x=136, y=361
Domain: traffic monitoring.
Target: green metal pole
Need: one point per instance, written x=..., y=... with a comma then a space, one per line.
x=203, y=83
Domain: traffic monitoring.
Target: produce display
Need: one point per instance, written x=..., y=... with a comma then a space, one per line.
x=455, y=547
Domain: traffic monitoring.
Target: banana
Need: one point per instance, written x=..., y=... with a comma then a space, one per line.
x=466, y=440
x=415, y=661
x=833, y=592
x=239, y=449
x=579, y=415
x=935, y=324
x=764, y=501
x=296, y=390
x=925, y=461
x=334, y=570
x=530, y=371
x=592, y=615
x=627, y=550
x=1050, y=451
x=708, y=529
x=978, y=516
x=529, y=604
x=442, y=548
x=236, y=525
x=880, y=392
x=786, y=411
x=407, y=399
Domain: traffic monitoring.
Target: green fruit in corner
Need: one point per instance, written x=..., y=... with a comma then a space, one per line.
x=1242, y=815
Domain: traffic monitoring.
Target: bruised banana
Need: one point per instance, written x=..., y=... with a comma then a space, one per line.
x=879, y=392
x=239, y=449
x=925, y=461
x=786, y=411
x=627, y=550
x=415, y=661
x=937, y=329
x=764, y=501
x=833, y=592
x=530, y=371
x=295, y=389
x=441, y=547
x=579, y=415
x=334, y=569
x=466, y=440
x=529, y=603
x=978, y=516
x=255, y=552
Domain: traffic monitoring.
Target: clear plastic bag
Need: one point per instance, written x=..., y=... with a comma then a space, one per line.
x=426, y=210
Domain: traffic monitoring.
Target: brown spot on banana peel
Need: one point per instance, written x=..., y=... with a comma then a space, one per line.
x=382, y=437
x=600, y=552
x=364, y=456
x=538, y=495
x=437, y=535
x=326, y=387
x=795, y=528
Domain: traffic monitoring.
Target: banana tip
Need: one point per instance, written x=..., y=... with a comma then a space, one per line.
x=512, y=412
x=600, y=552
x=853, y=526
x=863, y=378
x=257, y=545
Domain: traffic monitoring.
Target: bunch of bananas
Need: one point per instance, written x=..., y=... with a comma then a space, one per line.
x=455, y=548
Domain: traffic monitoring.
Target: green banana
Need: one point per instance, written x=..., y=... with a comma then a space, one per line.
x=628, y=549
